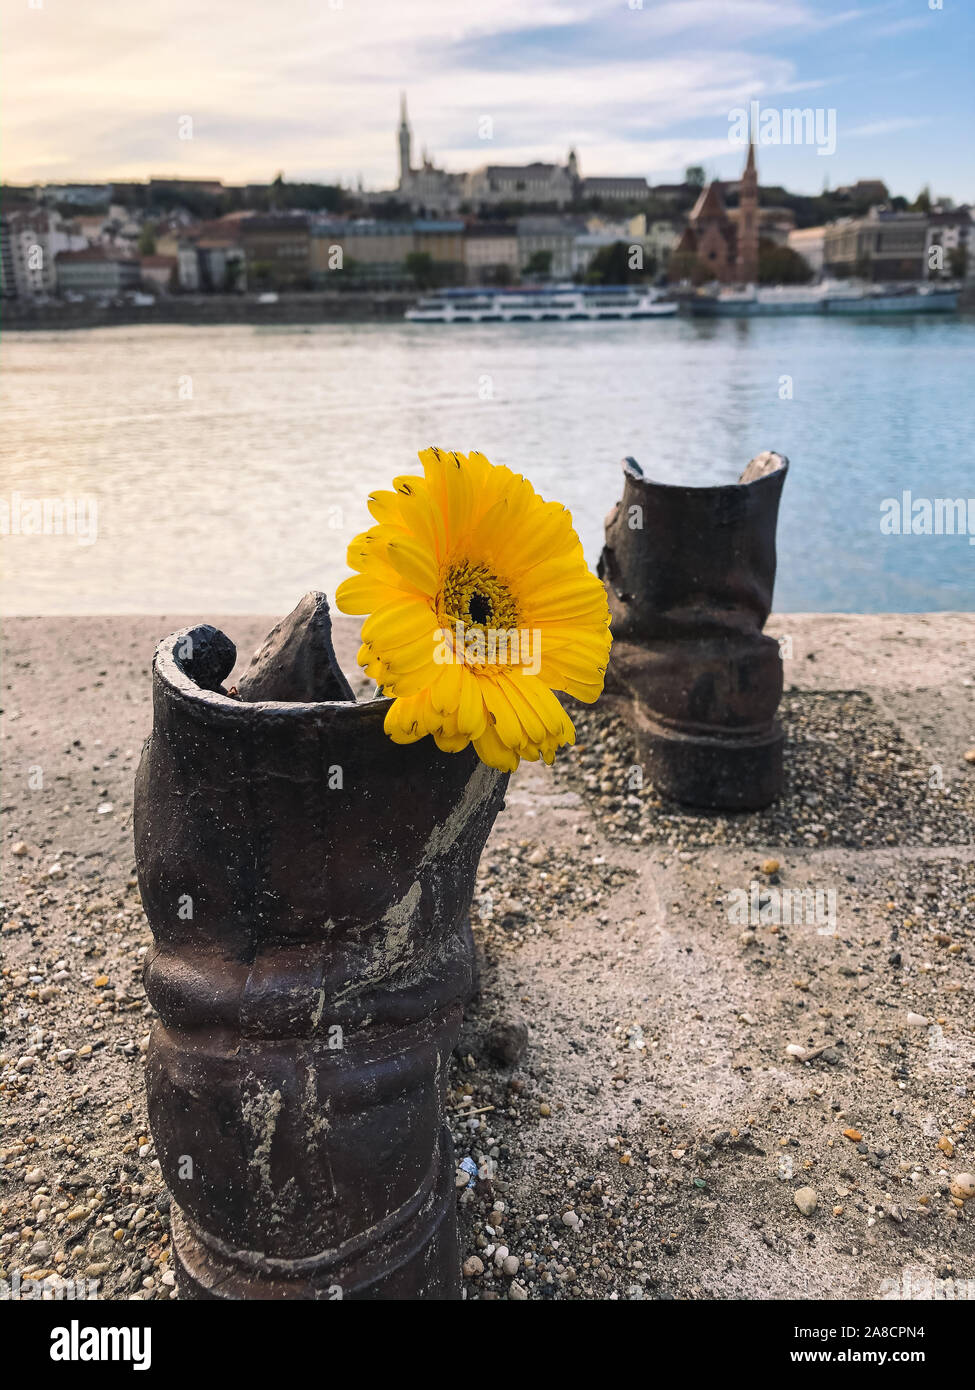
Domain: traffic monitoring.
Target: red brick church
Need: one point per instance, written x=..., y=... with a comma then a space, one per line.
x=720, y=245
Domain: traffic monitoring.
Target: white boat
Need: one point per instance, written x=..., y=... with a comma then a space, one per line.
x=541, y=305
x=829, y=297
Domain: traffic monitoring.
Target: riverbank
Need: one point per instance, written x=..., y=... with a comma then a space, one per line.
x=623, y=1083
x=360, y=306
x=363, y=306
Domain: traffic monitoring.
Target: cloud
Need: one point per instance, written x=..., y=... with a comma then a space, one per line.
x=891, y=126
x=318, y=96
x=312, y=86
x=902, y=26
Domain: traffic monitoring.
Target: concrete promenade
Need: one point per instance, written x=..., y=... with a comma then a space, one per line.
x=663, y=1096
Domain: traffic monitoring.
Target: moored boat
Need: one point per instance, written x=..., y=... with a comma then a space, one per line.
x=923, y=299
x=541, y=305
x=829, y=297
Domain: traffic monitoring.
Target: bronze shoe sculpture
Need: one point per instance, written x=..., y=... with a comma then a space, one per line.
x=307, y=882
x=689, y=573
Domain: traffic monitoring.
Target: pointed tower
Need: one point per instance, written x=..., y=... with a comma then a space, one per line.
x=404, y=145
x=746, y=266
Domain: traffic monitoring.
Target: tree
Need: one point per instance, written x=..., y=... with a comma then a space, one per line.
x=781, y=265
x=419, y=266
x=147, y=240
x=499, y=275
x=685, y=265
x=611, y=265
x=922, y=203
x=694, y=173
x=539, y=263
x=958, y=262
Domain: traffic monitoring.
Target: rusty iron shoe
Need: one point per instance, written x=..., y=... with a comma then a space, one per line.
x=689, y=573
x=307, y=882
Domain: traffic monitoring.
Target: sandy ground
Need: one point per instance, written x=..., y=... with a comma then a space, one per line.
x=622, y=1086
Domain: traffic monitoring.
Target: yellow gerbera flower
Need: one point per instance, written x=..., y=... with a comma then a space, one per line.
x=480, y=604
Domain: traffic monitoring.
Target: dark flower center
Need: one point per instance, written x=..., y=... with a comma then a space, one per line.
x=479, y=608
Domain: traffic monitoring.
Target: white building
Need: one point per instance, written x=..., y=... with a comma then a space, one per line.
x=616, y=188
x=551, y=235
x=491, y=253
x=658, y=239
x=809, y=243
x=524, y=183
x=952, y=232
x=426, y=188
x=434, y=190
x=649, y=246
x=32, y=240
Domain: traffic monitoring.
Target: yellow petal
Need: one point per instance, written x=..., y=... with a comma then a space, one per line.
x=420, y=678
x=446, y=688
x=401, y=723
x=506, y=722
x=393, y=624
x=451, y=743
x=460, y=496
x=415, y=563
x=542, y=701
x=528, y=717
x=471, y=713
x=361, y=594
x=411, y=655
x=492, y=751
x=385, y=507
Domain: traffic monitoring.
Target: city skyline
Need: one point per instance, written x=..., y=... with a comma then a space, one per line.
x=642, y=91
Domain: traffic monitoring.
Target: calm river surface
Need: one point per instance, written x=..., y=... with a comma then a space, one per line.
x=230, y=465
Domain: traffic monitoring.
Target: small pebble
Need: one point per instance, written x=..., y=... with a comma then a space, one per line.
x=807, y=1200
x=472, y=1267
x=963, y=1186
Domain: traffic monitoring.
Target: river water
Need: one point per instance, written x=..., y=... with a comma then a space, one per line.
x=230, y=465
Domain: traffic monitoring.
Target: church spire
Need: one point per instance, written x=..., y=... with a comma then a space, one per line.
x=404, y=139
x=747, y=259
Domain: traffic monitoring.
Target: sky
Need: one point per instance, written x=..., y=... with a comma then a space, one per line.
x=101, y=89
